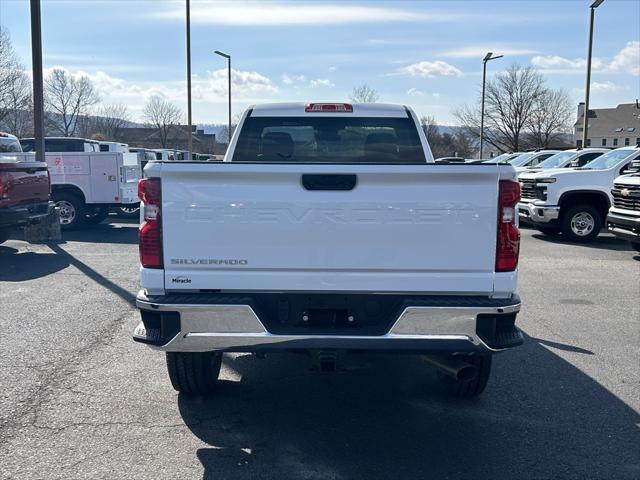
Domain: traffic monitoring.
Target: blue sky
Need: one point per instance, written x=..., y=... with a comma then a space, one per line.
x=426, y=54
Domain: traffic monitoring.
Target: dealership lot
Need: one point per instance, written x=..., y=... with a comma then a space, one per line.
x=81, y=400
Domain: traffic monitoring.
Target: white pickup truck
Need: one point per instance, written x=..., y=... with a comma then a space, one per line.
x=623, y=219
x=574, y=201
x=328, y=228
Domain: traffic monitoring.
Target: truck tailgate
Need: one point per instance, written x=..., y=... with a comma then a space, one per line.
x=401, y=228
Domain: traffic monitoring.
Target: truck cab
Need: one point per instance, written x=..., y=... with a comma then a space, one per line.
x=576, y=157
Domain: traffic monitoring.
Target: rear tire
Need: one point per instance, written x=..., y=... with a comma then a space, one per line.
x=96, y=215
x=473, y=387
x=131, y=210
x=194, y=373
x=72, y=210
x=635, y=245
x=581, y=223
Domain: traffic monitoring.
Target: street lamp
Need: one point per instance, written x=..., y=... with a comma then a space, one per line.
x=228, y=57
x=38, y=89
x=585, y=118
x=489, y=56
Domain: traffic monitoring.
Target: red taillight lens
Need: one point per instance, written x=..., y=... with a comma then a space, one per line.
x=328, y=107
x=150, y=232
x=508, y=242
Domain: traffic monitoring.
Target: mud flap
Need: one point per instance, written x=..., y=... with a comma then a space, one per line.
x=47, y=230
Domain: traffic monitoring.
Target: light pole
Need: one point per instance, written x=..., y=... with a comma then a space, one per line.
x=228, y=57
x=190, y=139
x=486, y=58
x=585, y=118
x=38, y=95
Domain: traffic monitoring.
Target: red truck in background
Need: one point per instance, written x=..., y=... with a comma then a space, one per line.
x=24, y=189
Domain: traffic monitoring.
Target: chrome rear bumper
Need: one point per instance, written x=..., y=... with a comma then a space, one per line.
x=206, y=327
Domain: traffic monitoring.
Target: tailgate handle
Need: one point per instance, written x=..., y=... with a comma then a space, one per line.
x=329, y=181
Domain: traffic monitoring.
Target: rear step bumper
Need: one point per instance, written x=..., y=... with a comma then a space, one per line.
x=229, y=322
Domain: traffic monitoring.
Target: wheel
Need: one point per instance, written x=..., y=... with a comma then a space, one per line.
x=581, y=223
x=72, y=210
x=96, y=215
x=474, y=386
x=194, y=373
x=4, y=235
x=131, y=210
x=548, y=229
x=635, y=245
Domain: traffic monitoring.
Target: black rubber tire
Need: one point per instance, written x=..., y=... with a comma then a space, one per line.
x=194, y=373
x=570, y=213
x=548, y=229
x=96, y=215
x=77, y=204
x=473, y=387
x=131, y=214
x=634, y=245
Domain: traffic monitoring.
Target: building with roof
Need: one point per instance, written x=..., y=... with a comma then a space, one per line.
x=609, y=127
x=177, y=138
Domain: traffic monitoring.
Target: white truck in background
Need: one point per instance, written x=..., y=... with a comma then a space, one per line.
x=574, y=201
x=623, y=219
x=85, y=184
x=328, y=228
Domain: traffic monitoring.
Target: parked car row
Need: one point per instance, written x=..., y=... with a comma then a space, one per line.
x=578, y=201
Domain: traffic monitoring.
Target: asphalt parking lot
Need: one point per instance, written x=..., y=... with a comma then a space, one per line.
x=79, y=399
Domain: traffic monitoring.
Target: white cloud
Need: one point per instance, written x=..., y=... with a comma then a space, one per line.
x=279, y=13
x=291, y=79
x=481, y=51
x=627, y=59
x=321, y=82
x=332, y=69
x=430, y=69
x=414, y=92
x=561, y=63
x=246, y=86
x=604, y=87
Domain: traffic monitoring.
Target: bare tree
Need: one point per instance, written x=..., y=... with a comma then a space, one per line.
x=511, y=99
x=15, y=87
x=67, y=99
x=430, y=128
x=161, y=114
x=223, y=135
x=550, y=118
x=110, y=120
x=364, y=94
x=18, y=105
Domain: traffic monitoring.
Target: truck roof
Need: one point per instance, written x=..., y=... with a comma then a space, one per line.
x=297, y=109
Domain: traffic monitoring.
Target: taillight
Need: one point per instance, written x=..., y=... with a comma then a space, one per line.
x=508, y=242
x=150, y=232
x=328, y=107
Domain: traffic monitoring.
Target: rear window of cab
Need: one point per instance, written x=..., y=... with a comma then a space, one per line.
x=329, y=140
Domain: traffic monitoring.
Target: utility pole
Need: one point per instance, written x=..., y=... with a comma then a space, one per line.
x=38, y=80
x=190, y=144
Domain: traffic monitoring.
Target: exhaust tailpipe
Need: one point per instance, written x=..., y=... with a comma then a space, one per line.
x=452, y=366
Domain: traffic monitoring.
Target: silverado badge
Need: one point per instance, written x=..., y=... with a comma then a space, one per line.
x=624, y=192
